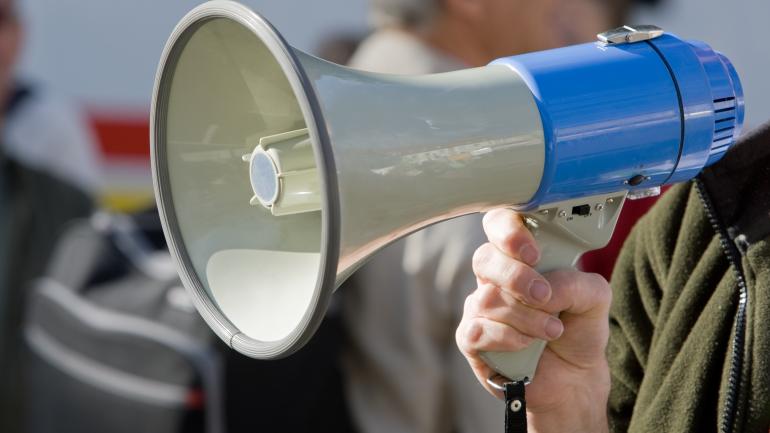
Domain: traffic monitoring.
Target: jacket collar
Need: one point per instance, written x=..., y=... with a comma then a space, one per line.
x=739, y=186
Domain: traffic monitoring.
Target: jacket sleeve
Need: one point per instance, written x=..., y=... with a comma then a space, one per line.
x=638, y=282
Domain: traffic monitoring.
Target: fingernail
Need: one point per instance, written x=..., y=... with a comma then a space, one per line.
x=539, y=290
x=529, y=254
x=554, y=328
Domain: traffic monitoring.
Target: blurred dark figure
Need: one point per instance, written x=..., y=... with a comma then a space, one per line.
x=339, y=48
x=116, y=345
x=43, y=131
x=403, y=370
x=35, y=203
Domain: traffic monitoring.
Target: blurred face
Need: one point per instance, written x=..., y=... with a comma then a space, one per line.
x=10, y=42
x=508, y=27
x=579, y=21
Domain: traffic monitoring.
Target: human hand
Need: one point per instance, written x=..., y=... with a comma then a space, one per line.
x=513, y=305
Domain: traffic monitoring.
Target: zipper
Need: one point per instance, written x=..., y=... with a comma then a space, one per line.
x=735, y=377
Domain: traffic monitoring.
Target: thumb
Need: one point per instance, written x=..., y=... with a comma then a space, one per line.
x=578, y=293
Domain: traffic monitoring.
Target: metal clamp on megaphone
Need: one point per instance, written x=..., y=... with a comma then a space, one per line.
x=278, y=174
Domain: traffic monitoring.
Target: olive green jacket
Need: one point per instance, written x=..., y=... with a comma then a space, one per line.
x=690, y=323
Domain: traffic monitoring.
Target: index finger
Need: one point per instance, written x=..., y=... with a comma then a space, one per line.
x=505, y=229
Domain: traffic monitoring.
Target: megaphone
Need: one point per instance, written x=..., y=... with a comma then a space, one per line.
x=278, y=174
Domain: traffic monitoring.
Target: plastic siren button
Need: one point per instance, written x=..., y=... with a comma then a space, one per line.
x=283, y=174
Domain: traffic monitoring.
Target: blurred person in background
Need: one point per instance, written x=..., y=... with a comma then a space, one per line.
x=339, y=47
x=43, y=131
x=403, y=370
x=44, y=173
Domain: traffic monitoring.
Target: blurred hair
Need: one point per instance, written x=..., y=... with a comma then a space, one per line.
x=9, y=10
x=402, y=13
x=620, y=10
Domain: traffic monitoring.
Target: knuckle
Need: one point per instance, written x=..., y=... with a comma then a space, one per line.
x=514, y=238
x=491, y=221
x=602, y=289
x=496, y=215
x=469, y=305
x=561, y=278
x=515, y=276
x=520, y=341
x=486, y=221
x=481, y=258
x=459, y=336
x=486, y=298
x=574, y=282
x=474, y=330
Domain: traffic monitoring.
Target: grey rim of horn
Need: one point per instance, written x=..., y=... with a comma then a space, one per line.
x=308, y=102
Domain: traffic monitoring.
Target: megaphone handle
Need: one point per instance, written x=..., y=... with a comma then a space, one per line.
x=564, y=231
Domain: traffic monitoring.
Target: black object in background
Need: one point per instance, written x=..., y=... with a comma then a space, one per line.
x=115, y=345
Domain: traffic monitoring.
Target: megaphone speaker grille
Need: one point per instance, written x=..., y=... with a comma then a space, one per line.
x=227, y=80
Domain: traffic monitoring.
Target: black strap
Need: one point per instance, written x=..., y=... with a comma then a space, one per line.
x=515, y=407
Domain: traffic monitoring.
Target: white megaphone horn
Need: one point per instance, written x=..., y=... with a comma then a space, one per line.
x=278, y=174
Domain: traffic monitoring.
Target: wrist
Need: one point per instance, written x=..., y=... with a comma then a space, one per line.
x=580, y=408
